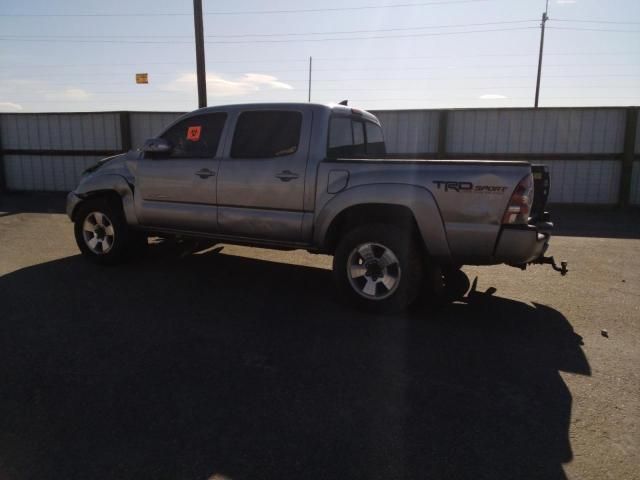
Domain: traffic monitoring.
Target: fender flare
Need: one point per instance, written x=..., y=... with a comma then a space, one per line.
x=110, y=182
x=418, y=200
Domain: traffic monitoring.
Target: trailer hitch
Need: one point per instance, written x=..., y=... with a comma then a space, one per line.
x=552, y=261
x=542, y=260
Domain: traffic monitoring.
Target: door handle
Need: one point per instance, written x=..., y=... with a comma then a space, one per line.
x=287, y=175
x=205, y=173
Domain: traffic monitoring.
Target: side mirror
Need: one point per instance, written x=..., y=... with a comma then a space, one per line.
x=157, y=145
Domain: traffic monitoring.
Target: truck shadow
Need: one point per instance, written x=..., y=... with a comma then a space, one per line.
x=213, y=364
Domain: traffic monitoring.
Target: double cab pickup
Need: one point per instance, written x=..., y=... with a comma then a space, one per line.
x=315, y=177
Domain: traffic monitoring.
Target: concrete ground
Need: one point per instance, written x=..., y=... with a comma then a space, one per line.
x=243, y=364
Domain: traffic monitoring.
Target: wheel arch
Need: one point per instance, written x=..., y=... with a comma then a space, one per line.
x=390, y=203
x=113, y=187
x=367, y=213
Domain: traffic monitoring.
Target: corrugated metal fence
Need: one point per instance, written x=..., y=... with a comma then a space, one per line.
x=593, y=153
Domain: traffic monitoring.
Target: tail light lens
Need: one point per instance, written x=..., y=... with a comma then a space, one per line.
x=519, y=206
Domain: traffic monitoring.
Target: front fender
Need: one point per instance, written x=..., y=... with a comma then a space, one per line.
x=417, y=199
x=96, y=184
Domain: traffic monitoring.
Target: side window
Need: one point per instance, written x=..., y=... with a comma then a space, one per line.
x=265, y=134
x=340, y=137
x=346, y=138
x=358, y=138
x=196, y=137
x=375, y=140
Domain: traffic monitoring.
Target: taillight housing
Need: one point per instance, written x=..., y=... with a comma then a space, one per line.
x=519, y=206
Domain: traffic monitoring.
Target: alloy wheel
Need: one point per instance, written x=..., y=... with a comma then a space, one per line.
x=98, y=233
x=373, y=271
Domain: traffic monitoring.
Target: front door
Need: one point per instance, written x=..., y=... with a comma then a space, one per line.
x=178, y=190
x=261, y=175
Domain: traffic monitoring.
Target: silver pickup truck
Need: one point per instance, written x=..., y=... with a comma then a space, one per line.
x=315, y=177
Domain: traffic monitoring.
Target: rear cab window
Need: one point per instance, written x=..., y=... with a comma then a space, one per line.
x=375, y=139
x=196, y=137
x=354, y=138
x=266, y=134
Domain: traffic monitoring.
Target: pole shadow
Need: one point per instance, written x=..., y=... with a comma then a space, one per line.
x=184, y=368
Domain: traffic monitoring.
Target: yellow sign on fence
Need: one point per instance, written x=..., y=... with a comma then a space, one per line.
x=142, y=78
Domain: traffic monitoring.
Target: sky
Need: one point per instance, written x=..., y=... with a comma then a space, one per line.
x=82, y=55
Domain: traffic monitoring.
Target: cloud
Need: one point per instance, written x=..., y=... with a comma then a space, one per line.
x=566, y=2
x=221, y=87
x=73, y=94
x=10, y=106
x=492, y=96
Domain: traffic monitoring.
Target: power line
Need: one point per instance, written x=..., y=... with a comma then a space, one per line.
x=120, y=74
x=248, y=12
x=437, y=67
x=144, y=64
x=268, y=71
x=356, y=99
x=611, y=22
x=413, y=98
x=238, y=42
x=343, y=9
x=591, y=53
x=528, y=54
x=75, y=82
x=359, y=79
x=109, y=65
x=186, y=106
x=470, y=77
x=487, y=87
x=577, y=29
x=250, y=35
x=302, y=88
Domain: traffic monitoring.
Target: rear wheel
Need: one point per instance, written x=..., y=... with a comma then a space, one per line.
x=378, y=267
x=102, y=233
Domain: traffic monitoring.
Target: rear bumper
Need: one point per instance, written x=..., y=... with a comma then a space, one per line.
x=521, y=244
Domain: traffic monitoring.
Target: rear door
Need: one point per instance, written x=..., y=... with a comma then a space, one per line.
x=178, y=190
x=262, y=173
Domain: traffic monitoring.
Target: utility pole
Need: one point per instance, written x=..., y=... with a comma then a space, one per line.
x=545, y=17
x=310, y=64
x=200, y=65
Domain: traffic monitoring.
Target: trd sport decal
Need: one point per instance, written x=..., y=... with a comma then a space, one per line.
x=447, y=186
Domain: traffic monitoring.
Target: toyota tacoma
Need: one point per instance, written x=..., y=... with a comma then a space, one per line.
x=316, y=177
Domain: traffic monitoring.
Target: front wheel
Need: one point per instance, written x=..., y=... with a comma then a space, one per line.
x=102, y=233
x=378, y=267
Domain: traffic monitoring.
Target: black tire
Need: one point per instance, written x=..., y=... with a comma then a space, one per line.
x=124, y=240
x=405, y=280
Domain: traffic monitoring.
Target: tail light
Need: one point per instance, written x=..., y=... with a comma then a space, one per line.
x=519, y=206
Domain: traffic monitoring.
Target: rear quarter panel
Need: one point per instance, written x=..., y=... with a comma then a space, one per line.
x=470, y=197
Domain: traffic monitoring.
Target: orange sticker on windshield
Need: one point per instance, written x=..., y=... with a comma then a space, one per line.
x=193, y=133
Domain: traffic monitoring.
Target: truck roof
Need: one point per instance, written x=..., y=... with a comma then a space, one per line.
x=333, y=107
